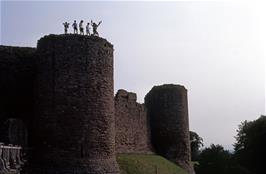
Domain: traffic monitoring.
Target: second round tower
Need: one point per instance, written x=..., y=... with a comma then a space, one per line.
x=167, y=108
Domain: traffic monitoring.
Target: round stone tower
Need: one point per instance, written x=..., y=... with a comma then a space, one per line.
x=74, y=122
x=168, y=113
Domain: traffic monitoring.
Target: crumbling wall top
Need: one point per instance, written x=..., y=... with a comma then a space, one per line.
x=130, y=96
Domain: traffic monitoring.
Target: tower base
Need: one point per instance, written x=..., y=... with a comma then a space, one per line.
x=96, y=166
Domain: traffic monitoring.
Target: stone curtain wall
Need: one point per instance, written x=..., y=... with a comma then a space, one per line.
x=168, y=112
x=16, y=89
x=132, y=127
x=75, y=127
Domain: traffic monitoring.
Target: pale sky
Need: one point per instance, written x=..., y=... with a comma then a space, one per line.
x=215, y=49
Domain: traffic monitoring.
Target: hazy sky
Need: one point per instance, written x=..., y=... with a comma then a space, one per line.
x=215, y=49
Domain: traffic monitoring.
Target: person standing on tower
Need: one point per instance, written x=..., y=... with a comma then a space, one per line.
x=94, y=28
x=81, y=29
x=88, y=29
x=75, y=27
x=66, y=26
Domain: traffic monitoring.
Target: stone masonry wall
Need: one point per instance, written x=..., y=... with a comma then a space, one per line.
x=132, y=126
x=168, y=112
x=16, y=90
x=75, y=123
x=62, y=96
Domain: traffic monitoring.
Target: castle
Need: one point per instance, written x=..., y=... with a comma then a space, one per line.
x=57, y=100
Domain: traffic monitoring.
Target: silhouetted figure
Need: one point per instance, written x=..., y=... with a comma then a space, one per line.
x=88, y=29
x=81, y=29
x=66, y=26
x=94, y=28
x=75, y=27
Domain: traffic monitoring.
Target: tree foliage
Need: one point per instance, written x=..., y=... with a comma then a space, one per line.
x=250, y=146
x=196, y=142
x=214, y=159
x=249, y=156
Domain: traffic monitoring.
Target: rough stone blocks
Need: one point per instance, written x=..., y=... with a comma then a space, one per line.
x=132, y=124
x=168, y=112
x=75, y=123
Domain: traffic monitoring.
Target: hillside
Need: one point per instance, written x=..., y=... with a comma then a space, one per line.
x=147, y=164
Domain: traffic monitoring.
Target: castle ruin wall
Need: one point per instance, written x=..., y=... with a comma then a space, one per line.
x=16, y=93
x=132, y=124
x=62, y=95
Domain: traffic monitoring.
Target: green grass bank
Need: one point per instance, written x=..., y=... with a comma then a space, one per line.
x=147, y=164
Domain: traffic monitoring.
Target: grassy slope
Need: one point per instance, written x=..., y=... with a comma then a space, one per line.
x=147, y=164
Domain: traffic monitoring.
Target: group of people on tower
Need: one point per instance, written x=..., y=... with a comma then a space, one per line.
x=81, y=29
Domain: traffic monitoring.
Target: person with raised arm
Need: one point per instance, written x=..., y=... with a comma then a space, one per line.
x=66, y=26
x=94, y=28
